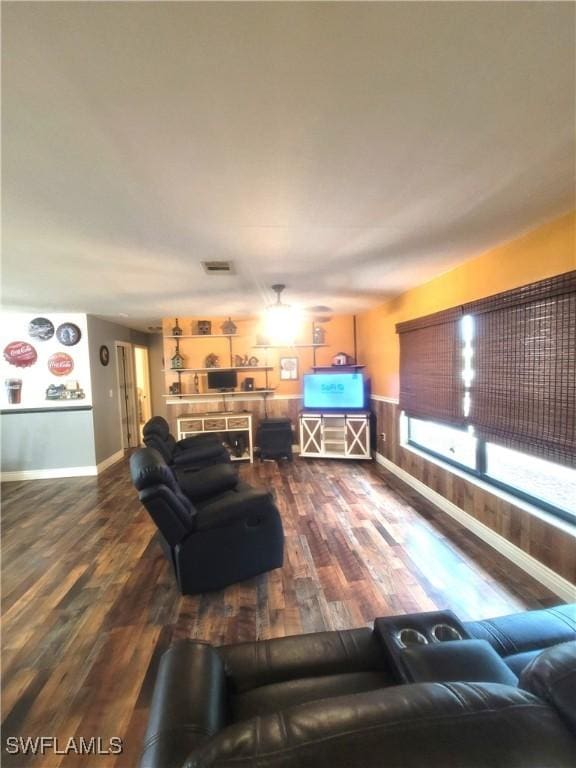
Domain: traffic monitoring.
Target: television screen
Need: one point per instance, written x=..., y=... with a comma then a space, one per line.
x=222, y=380
x=334, y=391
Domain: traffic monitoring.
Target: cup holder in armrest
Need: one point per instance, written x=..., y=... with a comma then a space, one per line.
x=407, y=637
x=403, y=634
x=442, y=633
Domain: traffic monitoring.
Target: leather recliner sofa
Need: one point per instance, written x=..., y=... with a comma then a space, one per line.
x=337, y=699
x=225, y=535
x=190, y=453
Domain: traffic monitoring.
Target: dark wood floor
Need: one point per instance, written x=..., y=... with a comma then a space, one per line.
x=89, y=603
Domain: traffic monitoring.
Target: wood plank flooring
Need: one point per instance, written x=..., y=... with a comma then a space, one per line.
x=89, y=603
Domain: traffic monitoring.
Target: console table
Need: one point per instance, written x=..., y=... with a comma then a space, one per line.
x=227, y=424
x=335, y=435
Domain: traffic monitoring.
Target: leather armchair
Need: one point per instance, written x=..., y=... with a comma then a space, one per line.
x=224, y=537
x=190, y=453
x=331, y=699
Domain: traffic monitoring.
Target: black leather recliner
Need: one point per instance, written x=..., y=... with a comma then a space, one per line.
x=334, y=699
x=219, y=539
x=191, y=453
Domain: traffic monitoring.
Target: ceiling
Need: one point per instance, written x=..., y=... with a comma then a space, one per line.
x=349, y=150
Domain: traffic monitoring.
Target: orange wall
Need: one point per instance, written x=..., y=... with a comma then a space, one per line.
x=544, y=252
x=339, y=338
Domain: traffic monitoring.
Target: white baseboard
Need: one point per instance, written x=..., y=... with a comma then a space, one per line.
x=103, y=465
x=48, y=474
x=556, y=583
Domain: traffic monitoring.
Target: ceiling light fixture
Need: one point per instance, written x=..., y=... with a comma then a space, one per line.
x=281, y=322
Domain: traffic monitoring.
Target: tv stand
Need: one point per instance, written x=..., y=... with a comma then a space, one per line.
x=335, y=435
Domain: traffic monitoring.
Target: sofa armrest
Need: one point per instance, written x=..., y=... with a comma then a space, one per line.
x=458, y=660
x=188, y=704
x=229, y=507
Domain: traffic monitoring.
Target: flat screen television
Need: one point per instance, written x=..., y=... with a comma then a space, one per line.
x=223, y=381
x=335, y=391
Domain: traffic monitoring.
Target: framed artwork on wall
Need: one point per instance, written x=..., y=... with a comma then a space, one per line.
x=288, y=368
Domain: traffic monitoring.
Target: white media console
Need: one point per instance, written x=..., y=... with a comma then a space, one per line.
x=335, y=435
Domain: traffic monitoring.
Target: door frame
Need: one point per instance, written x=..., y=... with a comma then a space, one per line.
x=133, y=428
x=147, y=381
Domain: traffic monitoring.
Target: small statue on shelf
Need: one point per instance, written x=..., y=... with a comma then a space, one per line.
x=212, y=361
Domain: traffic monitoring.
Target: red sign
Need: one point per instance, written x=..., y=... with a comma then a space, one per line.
x=20, y=353
x=60, y=364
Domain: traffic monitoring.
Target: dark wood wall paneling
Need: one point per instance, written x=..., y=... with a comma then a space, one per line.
x=552, y=545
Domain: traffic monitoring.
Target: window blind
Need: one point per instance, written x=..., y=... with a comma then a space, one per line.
x=523, y=394
x=431, y=384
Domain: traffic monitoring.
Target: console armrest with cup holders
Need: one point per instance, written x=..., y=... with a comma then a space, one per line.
x=334, y=699
x=416, y=630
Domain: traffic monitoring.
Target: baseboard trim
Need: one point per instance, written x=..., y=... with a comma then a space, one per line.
x=546, y=576
x=48, y=474
x=103, y=465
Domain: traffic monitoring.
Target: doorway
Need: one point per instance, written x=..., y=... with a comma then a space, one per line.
x=143, y=396
x=127, y=395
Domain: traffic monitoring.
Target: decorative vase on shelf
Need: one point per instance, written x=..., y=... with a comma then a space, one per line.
x=196, y=384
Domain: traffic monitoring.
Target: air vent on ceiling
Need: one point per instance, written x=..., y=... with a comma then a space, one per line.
x=218, y=267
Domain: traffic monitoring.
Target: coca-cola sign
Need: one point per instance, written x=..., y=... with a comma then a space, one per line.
x=20, y=353
x=60, y=364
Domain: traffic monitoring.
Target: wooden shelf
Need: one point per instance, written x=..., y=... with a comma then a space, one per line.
x=341, y=368
x=204, y=336
x=208, y=370
x=288, y=346
x=235, y=393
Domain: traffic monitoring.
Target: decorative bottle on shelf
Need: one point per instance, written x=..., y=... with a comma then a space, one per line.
x=196, y=384
x=176, y=331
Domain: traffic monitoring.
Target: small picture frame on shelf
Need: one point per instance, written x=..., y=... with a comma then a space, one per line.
x=288, y=369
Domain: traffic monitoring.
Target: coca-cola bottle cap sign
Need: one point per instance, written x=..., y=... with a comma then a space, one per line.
x=20, y=354
x=60, y=364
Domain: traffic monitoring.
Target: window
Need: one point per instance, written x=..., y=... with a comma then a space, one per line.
x=456, y=445
x=513, y=391
x=535, y=478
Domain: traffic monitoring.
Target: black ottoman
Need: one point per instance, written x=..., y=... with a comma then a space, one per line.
x=275, y=439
